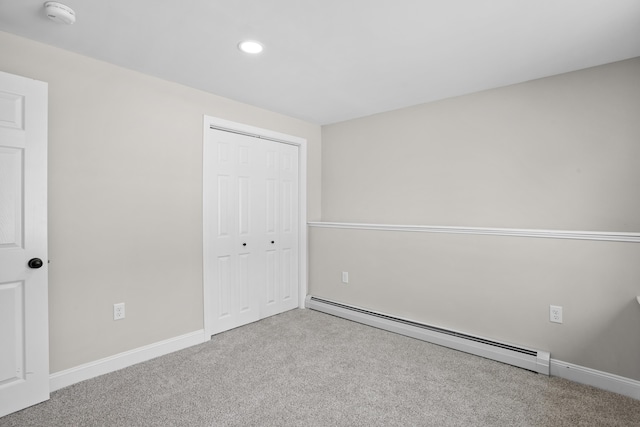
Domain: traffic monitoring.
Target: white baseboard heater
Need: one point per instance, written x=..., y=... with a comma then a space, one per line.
x=533, y=360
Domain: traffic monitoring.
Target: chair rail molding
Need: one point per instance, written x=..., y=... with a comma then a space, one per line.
x=609, y=236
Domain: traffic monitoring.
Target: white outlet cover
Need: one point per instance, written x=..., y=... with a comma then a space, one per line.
x=555, y=314
x=118, y=311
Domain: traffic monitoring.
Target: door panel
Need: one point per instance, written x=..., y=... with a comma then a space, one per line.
x=13, y=332
x=287, y=208
x=224, y=208
x=225, y=281
x=245, y=298
x=244, y=214
x=10, y=197
x=287, y=275
x=271, y=212
x=24, y=342
x=270, y=280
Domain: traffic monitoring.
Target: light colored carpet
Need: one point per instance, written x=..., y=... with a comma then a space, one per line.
x=305, y=368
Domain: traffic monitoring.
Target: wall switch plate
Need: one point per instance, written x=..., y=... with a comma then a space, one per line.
x=345, y=277
x=118, y=311
x=555, y=314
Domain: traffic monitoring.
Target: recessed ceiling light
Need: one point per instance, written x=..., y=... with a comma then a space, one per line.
x=250, y=46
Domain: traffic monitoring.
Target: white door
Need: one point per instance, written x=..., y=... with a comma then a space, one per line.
x=280, y=292
x=24, y=342
x=251, y=228
x=234, y=261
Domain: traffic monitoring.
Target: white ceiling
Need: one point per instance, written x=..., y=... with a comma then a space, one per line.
x=332, y=60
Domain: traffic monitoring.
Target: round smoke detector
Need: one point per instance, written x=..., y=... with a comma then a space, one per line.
x=60, y=13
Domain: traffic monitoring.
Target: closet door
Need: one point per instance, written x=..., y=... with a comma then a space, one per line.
x=234, y=262
x=251, y=209
x=280, y=292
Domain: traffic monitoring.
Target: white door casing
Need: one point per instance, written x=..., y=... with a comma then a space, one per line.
x=24, y=336
x=254, y=223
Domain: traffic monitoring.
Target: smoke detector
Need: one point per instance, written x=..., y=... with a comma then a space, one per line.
x=60, y=13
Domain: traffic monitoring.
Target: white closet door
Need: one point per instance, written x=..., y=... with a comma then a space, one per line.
x=280, y=292
x=251, y=229
x=234, y=269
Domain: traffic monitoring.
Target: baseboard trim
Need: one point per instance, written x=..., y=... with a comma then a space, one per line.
x=598, y=379
x=113, y=363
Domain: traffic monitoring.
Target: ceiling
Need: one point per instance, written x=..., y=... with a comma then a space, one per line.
x=327, y=61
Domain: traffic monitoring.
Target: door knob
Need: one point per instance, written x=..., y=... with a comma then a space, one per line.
x=35, y=263
x=244, y=244
x=272, y=242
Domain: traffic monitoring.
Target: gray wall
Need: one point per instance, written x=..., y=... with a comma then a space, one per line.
x=557, y=153
x=125, y=198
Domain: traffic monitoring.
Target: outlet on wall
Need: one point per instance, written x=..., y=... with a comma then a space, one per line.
x=555, y=314
x=118, y=311
x=345, y=277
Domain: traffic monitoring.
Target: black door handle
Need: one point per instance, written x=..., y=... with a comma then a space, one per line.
x=35, y=263
x=244, y=244
x=272, y=242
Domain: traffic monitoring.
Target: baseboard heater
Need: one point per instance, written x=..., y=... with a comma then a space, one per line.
x=533, y=360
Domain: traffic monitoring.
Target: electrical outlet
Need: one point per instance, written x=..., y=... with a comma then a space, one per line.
x=118, y=311
x=345, y=277
x=555, y=314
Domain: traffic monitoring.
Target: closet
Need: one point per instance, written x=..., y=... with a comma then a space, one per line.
x=251, y=228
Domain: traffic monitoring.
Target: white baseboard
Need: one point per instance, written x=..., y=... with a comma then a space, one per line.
x=96, y=368
x=598, y=379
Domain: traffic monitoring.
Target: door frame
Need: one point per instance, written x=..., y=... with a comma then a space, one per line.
x=216, y=123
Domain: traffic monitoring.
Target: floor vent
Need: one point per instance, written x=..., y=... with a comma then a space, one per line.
x=533, y=360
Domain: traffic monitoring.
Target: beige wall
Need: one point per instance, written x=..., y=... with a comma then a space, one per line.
x=125, y=198
x=556, y=153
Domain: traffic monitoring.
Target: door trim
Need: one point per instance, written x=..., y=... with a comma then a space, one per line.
x=216, y=123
